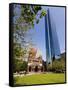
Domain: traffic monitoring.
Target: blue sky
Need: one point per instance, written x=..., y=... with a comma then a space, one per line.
x=38, y=32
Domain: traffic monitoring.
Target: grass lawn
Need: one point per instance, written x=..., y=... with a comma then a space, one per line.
x=39, y=79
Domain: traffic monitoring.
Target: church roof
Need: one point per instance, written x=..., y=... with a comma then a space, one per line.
x=38, y=54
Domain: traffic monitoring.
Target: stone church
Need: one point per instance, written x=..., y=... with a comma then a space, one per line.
x=34, y=61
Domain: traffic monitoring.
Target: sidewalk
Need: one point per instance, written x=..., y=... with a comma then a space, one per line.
x=31, y=73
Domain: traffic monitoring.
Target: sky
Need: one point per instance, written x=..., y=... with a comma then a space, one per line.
x=38, y=32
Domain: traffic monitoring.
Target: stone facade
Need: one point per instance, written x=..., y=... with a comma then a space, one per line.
x=34, y=61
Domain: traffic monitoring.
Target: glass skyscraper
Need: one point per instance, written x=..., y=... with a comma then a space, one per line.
x=51, y=38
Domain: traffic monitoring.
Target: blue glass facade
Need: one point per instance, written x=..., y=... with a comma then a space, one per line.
x=52, y=44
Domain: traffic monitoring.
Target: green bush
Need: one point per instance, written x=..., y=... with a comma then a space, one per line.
x=58, y=65
x=19, y=66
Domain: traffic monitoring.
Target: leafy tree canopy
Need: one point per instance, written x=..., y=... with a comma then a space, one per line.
x=29, y=14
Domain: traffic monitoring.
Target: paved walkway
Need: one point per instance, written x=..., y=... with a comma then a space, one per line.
x=31, y=73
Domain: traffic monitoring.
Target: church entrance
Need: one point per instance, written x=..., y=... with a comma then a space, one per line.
x=36, y=68
x=41, y=69
x=29, y=68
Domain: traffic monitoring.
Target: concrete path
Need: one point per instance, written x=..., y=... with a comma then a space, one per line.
x=31, y=73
